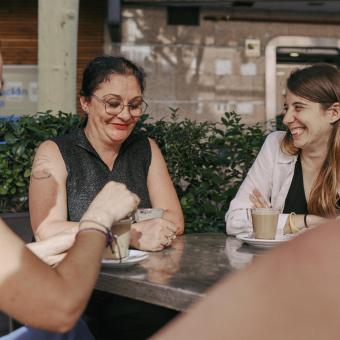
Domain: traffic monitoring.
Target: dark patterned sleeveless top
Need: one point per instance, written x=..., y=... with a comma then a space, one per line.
x=87, y=173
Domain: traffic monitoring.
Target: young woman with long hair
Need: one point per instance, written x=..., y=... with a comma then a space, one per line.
x=298, y=171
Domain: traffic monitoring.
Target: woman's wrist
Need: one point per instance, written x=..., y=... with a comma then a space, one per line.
x=314, y=220
x=102, y=219
x=93, y=225
x=305, y=221
x=89, y=223
x=96, y=230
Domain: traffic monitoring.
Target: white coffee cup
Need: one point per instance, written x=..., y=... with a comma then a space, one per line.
x=148, y=214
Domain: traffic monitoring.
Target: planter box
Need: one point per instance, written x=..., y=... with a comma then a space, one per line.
x=20, y=224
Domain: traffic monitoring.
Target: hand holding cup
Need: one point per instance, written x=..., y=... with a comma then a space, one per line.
x=113, y=203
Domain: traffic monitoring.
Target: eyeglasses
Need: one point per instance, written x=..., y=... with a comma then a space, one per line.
x=114, y=106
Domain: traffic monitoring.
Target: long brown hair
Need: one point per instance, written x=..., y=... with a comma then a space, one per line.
x=320, y=83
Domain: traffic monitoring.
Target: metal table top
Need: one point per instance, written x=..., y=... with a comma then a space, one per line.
x=179, y=275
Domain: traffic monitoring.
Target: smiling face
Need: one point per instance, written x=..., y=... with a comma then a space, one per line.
x=102, y=126
x=309, y=124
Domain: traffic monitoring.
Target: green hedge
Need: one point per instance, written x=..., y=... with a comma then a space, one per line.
x=22, y=136
x=207, y=161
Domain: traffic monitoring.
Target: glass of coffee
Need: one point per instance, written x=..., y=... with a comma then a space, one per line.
x=121, y=240
x=265, y=222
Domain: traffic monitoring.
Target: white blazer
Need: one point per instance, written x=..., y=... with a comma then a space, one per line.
x=272, y=174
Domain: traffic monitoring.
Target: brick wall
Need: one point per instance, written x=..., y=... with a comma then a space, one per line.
x=19, y=32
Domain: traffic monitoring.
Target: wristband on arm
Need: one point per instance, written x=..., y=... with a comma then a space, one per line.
x=305, y=220
x=102, y=228
x=97, y=226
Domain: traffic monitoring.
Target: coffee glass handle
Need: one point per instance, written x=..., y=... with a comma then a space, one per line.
x=248, y=210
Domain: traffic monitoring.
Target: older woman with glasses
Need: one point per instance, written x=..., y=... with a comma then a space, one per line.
x=69, y=171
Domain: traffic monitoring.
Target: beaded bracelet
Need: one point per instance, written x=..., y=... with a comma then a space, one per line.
x=109, y=236
x=108, y=232
x=94, y=229
x=292, y=226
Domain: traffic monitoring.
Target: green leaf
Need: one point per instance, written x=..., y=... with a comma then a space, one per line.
x=27, y=173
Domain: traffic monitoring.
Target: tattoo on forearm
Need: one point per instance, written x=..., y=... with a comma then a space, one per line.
x=41, y=174
x=40, y=169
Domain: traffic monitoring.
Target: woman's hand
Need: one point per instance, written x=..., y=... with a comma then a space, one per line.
x=48, y=249
x=153, y=235
x=113, y=203
x=258, y=200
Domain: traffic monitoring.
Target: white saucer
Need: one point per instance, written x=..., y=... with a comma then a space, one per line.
x=262, y=243
x=134, y=257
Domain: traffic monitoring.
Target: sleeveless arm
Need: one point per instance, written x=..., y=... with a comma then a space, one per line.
x=161, y=189
x=47, y=192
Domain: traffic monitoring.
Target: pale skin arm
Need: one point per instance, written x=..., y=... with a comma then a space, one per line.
x=153, y=234
x=53, y=249
x=288, y=293
x=54, y=298
x=162, y=191
x=43, y=297
x=47, y=193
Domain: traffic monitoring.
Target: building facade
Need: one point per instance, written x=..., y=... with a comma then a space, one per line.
x=201, y=57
